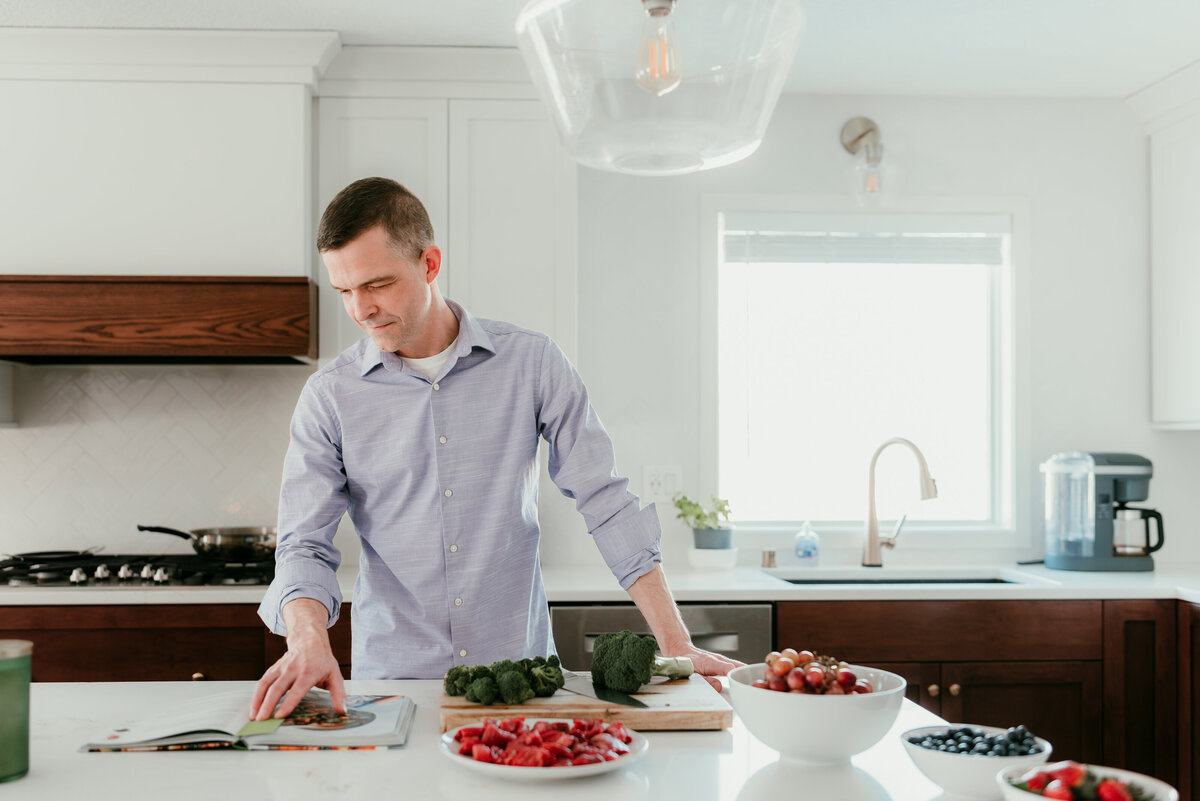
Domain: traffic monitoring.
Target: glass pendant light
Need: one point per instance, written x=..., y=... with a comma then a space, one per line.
x=659, y=87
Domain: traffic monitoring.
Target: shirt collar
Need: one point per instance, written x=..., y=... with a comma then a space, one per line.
x=470, y=336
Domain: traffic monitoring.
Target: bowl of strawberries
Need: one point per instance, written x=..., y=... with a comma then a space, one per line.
x=1075, y=781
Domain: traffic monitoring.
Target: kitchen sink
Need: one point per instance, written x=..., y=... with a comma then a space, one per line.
x=886, y=576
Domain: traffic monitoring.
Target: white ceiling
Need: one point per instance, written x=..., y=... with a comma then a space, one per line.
x=969, y=48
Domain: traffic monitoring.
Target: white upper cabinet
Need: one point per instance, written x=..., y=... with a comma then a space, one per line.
x=1175, y=274
x=1171, y=111
x=157, y=152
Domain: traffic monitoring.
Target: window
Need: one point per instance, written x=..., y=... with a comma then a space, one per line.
x=837, y=332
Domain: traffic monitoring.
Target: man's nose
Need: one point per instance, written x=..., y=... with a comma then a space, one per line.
x=361, y=306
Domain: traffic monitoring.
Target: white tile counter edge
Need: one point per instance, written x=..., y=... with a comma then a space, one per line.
x=584, y=585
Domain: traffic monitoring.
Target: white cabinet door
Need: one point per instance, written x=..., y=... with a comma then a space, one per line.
x=512, y=244
x=1175, y=275
x=391, y=138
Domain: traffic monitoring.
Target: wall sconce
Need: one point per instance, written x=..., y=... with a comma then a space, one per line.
x=862, y=134
x=659, y=87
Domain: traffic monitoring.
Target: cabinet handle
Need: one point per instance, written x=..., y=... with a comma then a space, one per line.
x=955, y=689
x=198, y=676
x=933, y=690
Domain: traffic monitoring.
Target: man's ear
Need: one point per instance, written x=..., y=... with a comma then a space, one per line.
x=431, y=261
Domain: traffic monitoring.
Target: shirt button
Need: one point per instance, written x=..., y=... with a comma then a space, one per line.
x=463, y=652
x=453, y=549
x=442, y=440
x=436, y=387
x=458, y=601
x=448, y=493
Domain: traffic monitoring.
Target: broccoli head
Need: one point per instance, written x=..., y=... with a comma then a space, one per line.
x=625, y=661
x=514, y=686
x=483, y=690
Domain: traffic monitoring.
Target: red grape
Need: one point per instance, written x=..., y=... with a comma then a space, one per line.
x=795, y=678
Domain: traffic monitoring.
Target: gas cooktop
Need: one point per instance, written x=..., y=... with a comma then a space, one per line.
x=95, y=570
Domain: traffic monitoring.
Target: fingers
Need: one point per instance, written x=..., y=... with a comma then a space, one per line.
x=337, y=691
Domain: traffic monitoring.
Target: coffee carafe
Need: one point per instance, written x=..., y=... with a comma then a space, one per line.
x=1089, y=522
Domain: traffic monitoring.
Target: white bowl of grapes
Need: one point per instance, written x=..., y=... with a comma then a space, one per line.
x=964, y=758
x=813, y=707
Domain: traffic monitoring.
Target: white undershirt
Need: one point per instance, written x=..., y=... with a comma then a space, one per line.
x=430, y=366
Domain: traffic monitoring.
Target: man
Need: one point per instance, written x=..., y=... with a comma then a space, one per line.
x=426, y=431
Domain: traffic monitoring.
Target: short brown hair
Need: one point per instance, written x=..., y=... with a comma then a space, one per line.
x=376, y=201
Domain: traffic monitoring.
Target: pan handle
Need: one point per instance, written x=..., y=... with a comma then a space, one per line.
x=162, y=530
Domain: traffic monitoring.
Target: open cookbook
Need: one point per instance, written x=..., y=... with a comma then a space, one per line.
x=220, y=721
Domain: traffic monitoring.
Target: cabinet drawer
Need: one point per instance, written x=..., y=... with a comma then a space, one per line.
x=944, y=631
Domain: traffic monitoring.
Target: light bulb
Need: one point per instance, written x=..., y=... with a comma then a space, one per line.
x=658, y=56
x=869, y=176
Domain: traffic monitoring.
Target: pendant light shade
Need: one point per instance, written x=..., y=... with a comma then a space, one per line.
x=659, y=87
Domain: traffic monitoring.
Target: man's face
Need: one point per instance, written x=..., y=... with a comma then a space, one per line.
x=387, y=295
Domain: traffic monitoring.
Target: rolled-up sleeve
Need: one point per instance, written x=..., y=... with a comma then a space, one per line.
x=312, y=500
x=583, y=466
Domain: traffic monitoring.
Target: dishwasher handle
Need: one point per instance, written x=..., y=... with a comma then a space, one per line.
x=707, y=640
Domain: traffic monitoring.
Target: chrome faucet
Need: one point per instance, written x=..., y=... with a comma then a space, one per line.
x=873, y=548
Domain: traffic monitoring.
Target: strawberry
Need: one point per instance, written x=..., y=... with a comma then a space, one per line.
x=1034, y=780
x=1113, y=790
x=1058, y=789
x=1071, y=774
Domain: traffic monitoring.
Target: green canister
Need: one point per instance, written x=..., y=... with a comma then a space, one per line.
x=15, y=658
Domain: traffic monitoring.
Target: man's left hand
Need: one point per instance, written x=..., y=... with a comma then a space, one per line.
x=709, y=664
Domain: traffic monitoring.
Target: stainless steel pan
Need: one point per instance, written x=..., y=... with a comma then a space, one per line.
x=232, y=544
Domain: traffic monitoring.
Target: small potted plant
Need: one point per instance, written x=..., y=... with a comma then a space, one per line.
x=707, y=528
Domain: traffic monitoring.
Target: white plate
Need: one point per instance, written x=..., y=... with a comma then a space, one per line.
x=637, y=747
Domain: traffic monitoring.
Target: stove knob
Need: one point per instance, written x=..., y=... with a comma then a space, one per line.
x=125, y=572
x=79, y=576
x=101, y=573
x=161, y=576
x=147, y=572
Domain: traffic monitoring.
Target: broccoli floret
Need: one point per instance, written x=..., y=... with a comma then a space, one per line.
x=483, y=690
x=458, y=678
x=502, y=665
x=514, y=687
x=625, y=661
x=545, y=679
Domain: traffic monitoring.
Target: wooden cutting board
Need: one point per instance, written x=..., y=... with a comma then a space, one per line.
x=683, y=704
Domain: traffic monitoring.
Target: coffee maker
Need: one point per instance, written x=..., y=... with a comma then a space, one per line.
x=1089, y=523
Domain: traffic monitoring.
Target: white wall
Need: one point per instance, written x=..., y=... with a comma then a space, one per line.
x=1082, y=166
x=101, y=449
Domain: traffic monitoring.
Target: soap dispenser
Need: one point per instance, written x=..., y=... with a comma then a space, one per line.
x=808, y=546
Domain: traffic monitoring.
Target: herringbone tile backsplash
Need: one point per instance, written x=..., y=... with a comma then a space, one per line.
x=102, y=449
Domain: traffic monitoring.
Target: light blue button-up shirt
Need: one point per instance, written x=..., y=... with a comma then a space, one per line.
x=441, y=482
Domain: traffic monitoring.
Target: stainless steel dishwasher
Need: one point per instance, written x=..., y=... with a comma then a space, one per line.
x=741, y=631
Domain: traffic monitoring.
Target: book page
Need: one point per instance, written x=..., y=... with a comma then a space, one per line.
x=369, y=720
x=214, y=718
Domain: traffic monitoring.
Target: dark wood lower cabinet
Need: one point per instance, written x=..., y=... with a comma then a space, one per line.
x=159, y=642
x=1099, y=679
x=1141, y=687
x=1188, y=620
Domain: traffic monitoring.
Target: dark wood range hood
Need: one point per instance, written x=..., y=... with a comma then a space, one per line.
x=63, y=319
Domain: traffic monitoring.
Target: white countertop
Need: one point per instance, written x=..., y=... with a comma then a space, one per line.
x=725, y=765
x=587, y=585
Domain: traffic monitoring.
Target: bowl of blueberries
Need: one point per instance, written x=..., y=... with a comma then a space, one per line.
x=964, y=759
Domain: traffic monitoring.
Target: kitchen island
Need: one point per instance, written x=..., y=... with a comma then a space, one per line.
x=729, y=765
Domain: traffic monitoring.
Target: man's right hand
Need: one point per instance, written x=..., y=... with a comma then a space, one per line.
x=308, y=663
